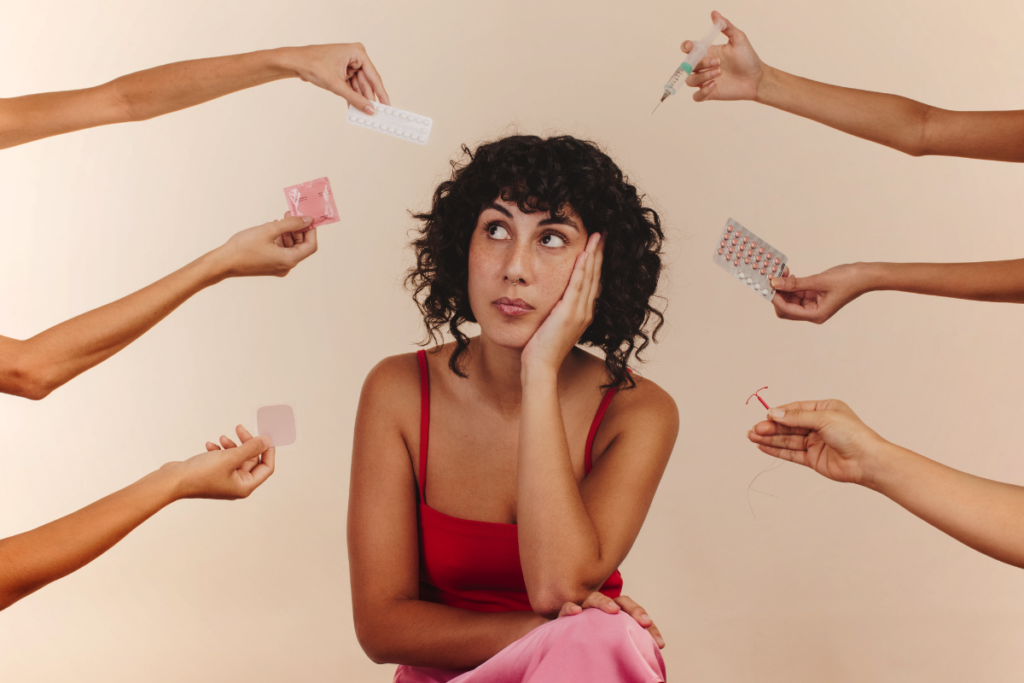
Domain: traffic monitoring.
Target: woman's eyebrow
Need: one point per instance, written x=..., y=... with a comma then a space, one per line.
x=564, y=220
x=498, y=207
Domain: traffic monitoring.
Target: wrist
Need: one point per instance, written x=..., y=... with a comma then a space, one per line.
x=881, y=465
x=283, y=62
x=767, y=86
x=873, y=277
x=214, y=266
x=538, y=373
x=167, y=483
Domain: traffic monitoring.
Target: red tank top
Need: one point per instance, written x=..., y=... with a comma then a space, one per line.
x=475, y=565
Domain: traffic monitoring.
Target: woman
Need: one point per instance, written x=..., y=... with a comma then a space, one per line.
x=499, y=481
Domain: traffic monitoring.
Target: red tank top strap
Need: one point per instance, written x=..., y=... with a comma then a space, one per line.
x=588, y=454
x=421, y=356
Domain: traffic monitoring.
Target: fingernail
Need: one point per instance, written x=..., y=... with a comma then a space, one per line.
x=776, y=282
x=266, y=441
x=306, y=220
x=776, y=413
x=718, y=72
x=369, y=109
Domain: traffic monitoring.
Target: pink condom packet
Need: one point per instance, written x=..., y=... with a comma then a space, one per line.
x=315, y=199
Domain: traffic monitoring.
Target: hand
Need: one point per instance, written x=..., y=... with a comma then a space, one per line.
x=728, y=72
x=573, y=313
x=226, y=474
x=824, y=435
x=601, y=601
x=818, y=297
x=270, y=249
x=344, y=69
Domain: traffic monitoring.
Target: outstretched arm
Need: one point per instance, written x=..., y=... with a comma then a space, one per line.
x=344, y=69
x=35, y=558
x=817, y=298
x=35, y=367
x=734, y=72
x=829, y=438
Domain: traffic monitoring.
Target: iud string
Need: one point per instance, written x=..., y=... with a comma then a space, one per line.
x=777, y=463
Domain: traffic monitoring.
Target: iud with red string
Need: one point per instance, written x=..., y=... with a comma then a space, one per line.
x=758, y=395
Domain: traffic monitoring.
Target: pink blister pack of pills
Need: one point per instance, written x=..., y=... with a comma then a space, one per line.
x=749, y=259
x=314, y=199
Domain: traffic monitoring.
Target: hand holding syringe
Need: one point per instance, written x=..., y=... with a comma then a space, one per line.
x=692, y=59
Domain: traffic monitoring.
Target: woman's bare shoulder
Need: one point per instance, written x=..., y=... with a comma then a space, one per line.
x=394, y=381
x=645, y=408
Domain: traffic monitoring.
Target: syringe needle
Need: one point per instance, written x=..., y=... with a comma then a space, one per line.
x=656, y=108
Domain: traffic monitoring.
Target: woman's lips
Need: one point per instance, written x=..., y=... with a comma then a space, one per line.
x=512, y=306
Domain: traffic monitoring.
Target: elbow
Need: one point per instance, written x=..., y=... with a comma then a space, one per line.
x=548, y=599
x=917, y=145
x=373, y=639
x=28, y=382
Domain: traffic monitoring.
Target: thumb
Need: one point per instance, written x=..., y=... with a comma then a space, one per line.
x=249, y=450
x=729, y=31
x=796, y=415
x=792, y=283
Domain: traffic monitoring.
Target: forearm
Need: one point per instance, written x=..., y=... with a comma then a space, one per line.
x=420, y=633
x=139, y=96
x=57, y=355
x=889, y=120
x=35, y=558
x=983, y=514
x=1001, y=281
x=558, y=542
x=173, y=87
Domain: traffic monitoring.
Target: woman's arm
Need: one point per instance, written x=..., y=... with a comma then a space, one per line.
x=572, y=539
x=817, y=298
x=829, y=438
x=734, y=72
x=35, y=367
x=392, y=623
x=344, y=69
x=35, y=558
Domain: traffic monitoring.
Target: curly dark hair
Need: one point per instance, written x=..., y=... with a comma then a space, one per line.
x=553, y=174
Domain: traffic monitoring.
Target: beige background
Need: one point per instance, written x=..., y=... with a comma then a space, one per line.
x=816, y=582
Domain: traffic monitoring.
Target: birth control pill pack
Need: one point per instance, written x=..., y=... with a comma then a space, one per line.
x=394, y=122
x=749, y=259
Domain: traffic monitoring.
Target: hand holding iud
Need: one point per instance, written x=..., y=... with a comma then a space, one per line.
x=314, y=199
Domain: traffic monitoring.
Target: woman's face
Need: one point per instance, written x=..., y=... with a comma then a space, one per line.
x=519, y=267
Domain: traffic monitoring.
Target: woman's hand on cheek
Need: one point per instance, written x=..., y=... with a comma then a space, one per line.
x=571, y=316
x=597, y=600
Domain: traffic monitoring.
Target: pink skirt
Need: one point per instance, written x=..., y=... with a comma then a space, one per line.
x=590, y=647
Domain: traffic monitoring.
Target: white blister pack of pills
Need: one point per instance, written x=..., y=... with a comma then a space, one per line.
x=749, y=259
x=395, y=122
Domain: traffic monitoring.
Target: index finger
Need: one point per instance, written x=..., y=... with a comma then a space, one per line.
x=375, y=80
x=262, y=472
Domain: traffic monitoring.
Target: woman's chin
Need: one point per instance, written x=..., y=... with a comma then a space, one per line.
x=508, y=335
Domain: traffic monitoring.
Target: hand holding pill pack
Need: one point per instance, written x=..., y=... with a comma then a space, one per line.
x=749, y=259
x=314, y=199
x=394, y=122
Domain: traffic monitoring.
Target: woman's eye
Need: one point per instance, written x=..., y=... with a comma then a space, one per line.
x=497, y=232
x=552, y=241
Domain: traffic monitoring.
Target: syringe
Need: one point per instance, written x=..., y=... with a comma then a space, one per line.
x=700, y=49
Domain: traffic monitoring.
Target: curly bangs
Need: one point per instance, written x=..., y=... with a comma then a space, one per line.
x=538, y=174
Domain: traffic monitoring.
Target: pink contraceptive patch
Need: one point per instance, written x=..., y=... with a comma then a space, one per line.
x=315, y=199
x=277, y=422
